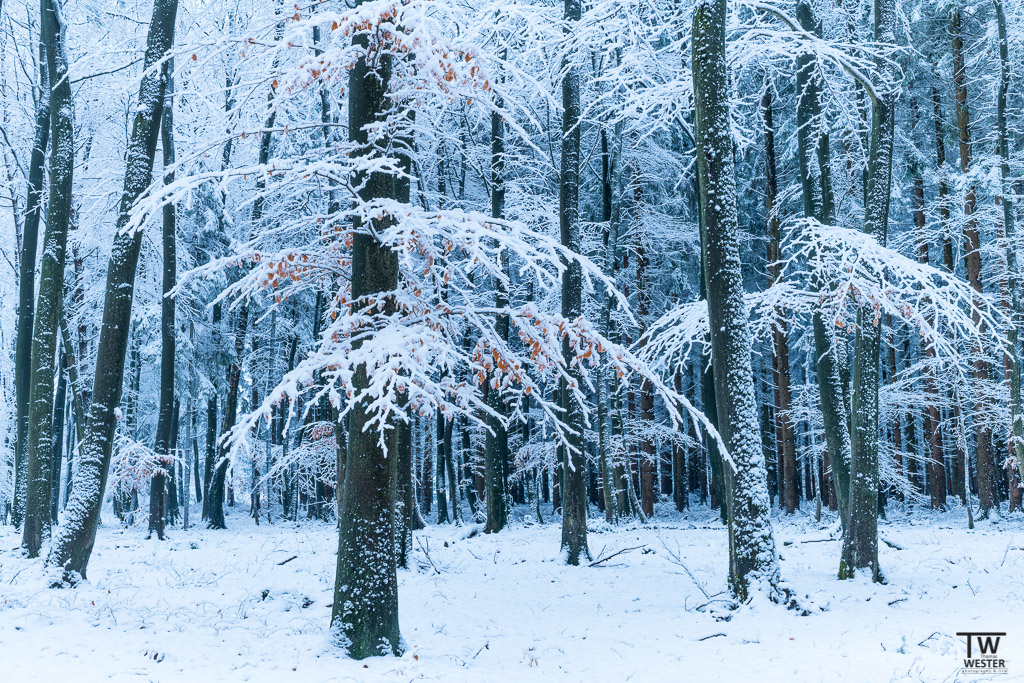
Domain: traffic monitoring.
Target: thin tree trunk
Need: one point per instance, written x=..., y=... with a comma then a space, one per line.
x=496, y=439
x=648, y=457
x=785, y=440
x=860, y=545
x=932, y=418
x=57, y=437
x=573, y=480
x=987, y=496
x=158, y=485
x=1012, y=276
x=27, y=286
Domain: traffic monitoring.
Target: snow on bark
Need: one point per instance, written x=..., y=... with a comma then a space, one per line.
x=753, y=561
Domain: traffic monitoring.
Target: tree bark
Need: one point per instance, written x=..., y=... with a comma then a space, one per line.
x=573, y=481
x=932, y=417
x=496, y=452
x=784, y=435
x=815, y=179
x=1010, y=231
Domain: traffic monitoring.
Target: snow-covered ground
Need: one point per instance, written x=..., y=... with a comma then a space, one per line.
x=234, y=606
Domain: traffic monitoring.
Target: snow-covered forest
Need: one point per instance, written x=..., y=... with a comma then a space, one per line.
x=598, y=339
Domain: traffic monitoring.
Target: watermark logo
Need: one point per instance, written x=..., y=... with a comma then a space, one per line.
x=983, y=653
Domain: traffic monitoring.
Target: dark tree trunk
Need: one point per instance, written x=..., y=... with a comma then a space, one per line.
x=680, y=492
x=648, y=457
x=73, y=544
x=364, y=618
x=218, y=482
x=496, y=452
x=27, y=285
x=932, y=418
x=1013, y=283
x=442, y=470
x=986, y=477
x=158, y=486
x=51, y=283
x=573, y=480
x=784, y=436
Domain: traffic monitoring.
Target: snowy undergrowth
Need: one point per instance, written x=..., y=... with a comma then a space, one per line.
x=253, y=603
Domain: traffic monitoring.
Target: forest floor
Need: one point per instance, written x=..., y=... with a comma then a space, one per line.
x=253, y=604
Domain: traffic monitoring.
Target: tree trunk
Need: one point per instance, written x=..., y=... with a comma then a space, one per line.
x=932, y=417
x=74, y=542
x=680, y=492
x=51, y=283
x=158, y=486
x=753, y=562
x=605, y=397
x=986, y=481
x=1009, y=227
x=57, y=436
x=364, y=618
x=784, y=436
x=860, y=545
x=814, y=157
x=648, y=457
x=27, y=284
x=496, y=452
x=218, y=482
x=573, y=481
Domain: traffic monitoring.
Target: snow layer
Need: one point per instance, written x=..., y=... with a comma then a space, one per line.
x=233, y=606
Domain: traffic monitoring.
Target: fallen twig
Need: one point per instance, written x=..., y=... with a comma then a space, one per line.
x=293, y=557
x=427, y=553
x=619, y=552
x=674, y=558
x=1005, y=552
x=713, y=635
